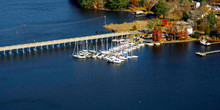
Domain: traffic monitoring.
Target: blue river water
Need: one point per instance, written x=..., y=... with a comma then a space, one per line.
x=167, y=77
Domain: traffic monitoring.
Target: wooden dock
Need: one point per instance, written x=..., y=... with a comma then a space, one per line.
x=207, y=53
x=33, y=46
x=214, y=43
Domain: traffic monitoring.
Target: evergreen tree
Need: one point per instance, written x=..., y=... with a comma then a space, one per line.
x=86, y=3
x=185, y=16
x=207, y=30
x=212, y=19
x=160, y=8
x=116, y=4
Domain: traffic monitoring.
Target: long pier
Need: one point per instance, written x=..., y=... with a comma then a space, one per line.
x=207, y=53
x=56, y=43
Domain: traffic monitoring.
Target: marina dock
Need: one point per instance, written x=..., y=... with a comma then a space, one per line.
x=214, y=43
x=207, y=53
x=22, y=48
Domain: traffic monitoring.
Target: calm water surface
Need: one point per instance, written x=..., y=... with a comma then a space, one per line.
x=168, y=77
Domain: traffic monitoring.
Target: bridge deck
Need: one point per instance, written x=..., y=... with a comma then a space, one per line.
x=61, y=41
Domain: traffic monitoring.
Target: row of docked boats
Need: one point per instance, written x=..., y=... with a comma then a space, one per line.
x=119, y=53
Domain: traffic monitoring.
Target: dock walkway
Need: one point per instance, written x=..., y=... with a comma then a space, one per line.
x=207, y=53
x=215, y=43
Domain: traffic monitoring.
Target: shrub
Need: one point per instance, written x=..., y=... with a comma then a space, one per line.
x=196, y=35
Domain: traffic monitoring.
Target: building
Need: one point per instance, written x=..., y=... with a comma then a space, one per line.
x=181, y=25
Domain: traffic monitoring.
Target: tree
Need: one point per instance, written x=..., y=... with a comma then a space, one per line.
x=159, y=34
x=149, y=5
x=134, y=28
x=185, y=16
x=135, y=2
x=186, y=33
x=164, y=22
x=160, y=8
x=86, y=3
x=190, y=1
x=116, y=4
x=196, y=35
x=155, y=34
x=212, y=19
x=153, y=22
x=203, y=2
x=207, y=30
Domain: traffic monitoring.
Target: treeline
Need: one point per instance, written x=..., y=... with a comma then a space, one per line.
x=112, y=4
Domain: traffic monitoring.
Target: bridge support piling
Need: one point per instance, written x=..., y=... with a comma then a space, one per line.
x=23, y=51
x=29, y=49
x=10, y=52
x=35, y=49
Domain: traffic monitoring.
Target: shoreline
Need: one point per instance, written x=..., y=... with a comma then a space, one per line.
x=183, y=41
x=127, y=10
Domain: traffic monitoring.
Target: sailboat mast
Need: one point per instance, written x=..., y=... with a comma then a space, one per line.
x=96, y=45
x=107, y=44
x=77, y=49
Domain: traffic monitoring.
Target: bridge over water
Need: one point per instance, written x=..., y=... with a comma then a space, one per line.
x=22, y=48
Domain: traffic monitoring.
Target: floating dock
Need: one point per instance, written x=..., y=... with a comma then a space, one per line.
x=207, y=53
x=214, y=43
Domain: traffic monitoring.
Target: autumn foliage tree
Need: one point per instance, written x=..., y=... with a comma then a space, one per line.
x=155, y=34
x=186, y=33
x=135, y=2
x=159, y=34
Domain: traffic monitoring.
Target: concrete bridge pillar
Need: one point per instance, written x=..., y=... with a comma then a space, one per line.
x=35, y=48
x=23, y=50
x=10, y=52
x=29, y=50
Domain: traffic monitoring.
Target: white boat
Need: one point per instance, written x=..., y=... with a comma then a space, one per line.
x=117, y=61
x=95, y=56
x=141, y=45
x=150, y=44
x=123, y=57
x=105, y=52
x=78, y=55
x=100, y=56
x=131, y=56
x=92, y=51
x=157, y=43
x=134, y=56
x=81, y=56
x=204, y=42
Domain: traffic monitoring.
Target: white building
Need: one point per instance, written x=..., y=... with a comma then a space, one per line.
x=183, y=25
x=197, y=4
